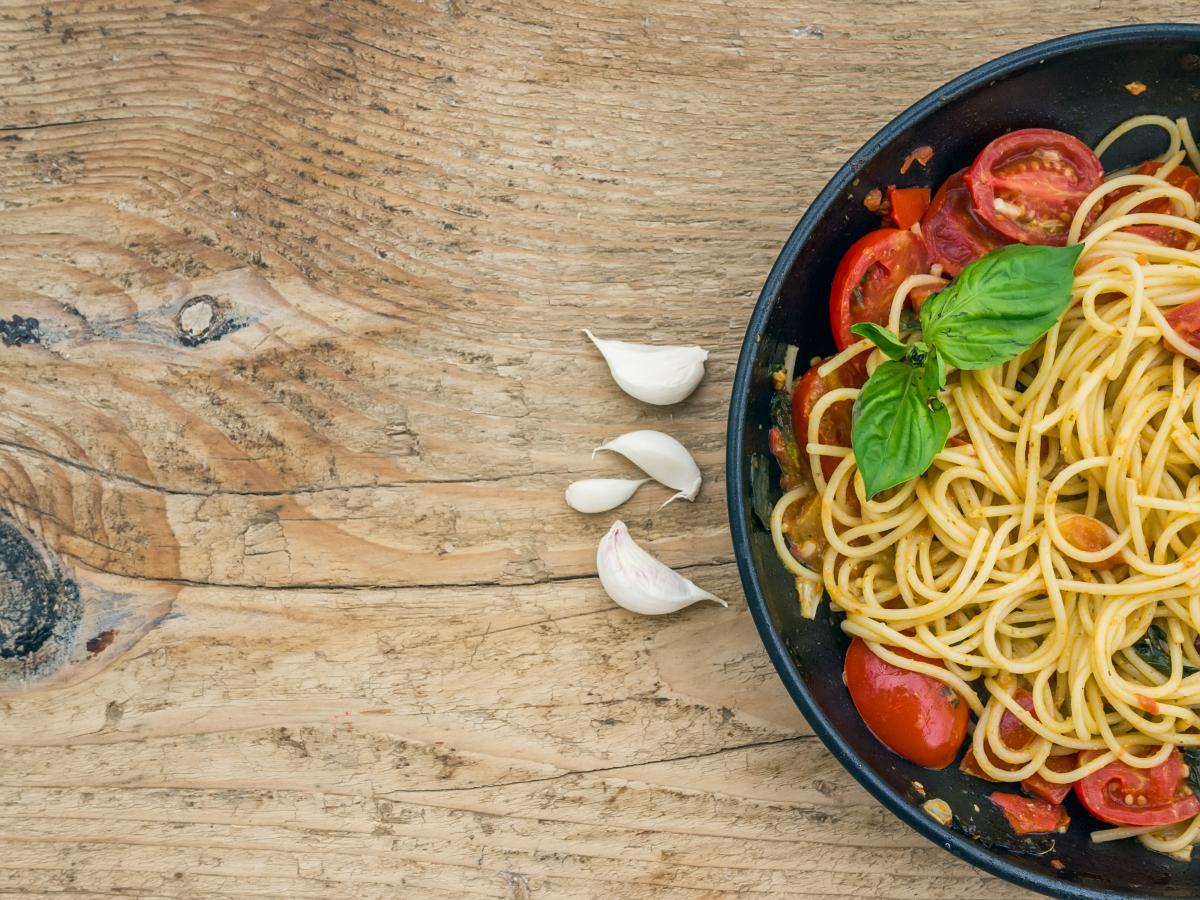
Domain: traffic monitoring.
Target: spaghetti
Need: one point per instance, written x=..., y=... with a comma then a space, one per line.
x=1058, y=528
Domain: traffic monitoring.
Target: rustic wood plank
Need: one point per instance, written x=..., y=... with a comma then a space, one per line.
x=307, y=386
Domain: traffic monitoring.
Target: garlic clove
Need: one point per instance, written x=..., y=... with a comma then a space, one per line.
x=658, y=375
x=662, y=458
x=640, y=583
x=594, y=495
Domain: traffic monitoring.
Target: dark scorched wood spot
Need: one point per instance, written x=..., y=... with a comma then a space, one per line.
x=34, y=599
x=18, y=331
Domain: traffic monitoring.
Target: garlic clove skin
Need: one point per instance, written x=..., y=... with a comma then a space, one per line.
x=640, y=583
x=657, y=375
x=662, y=458
x=595, y=495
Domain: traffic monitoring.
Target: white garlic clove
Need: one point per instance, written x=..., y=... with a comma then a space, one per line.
x=637, y=581
x=594, y=495
x=662, y=458
x=658, y=375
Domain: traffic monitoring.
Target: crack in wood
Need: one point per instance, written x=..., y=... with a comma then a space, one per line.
x=572, y=773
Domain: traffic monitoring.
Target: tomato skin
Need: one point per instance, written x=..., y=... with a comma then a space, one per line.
x=1037, y=786
x=970, y=766
x=872, y=269
x=1181, y=177
x=907, y=205
x=1028, y=815
x=1015, y=734
x=954, y=233
x=914, y=715
x=1168, y=797
x=836, y=422
x=1037, y=177
x=1089, y=535
x=1185, y=320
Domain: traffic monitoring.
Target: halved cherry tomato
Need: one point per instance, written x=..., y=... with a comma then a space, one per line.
x=914, y=715
x=1181, y=177
x=1013, y=732
x=1037, y=786
x=867, y=278
x=954, y=234
x=970, y=765
x=907, y=204
x=1028, y=183
x=835, y=423
x=1185, y=320
x=1090, y=535
x=1122, y=795
x=1028, y=815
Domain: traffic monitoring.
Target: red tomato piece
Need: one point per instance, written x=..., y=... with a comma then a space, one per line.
x=836, y=422
x=914, y=715
x=1029, y=815
x=1185, y=320
x=1027, y=184
x=1148, y=704
x=1181, y=177
x=1037, y=786
x=922, y=155
x=867, y=278
x=970, y=765
x=1090, y=535
x=907, y=204
x=1122, y=795
x=953, y=232
x=1013, y=732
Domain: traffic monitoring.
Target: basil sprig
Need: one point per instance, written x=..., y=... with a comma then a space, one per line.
x=999, y=305
x=897, y=432
x=1154, y=650
x=995, y=309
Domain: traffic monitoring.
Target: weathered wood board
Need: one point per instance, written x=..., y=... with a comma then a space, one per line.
x=304, y=391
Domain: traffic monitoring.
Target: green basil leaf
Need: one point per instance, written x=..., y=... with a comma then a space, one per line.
x=1152, y=647
x=934, y=374
x=999, y=305
x=917, y=354
x=896, y=434
x=891, y=345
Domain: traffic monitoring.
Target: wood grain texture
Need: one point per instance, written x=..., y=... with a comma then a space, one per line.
x=338, y=633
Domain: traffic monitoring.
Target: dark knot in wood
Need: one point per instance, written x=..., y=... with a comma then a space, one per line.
x=203, y=318
x=19, y=330
x=36, y=601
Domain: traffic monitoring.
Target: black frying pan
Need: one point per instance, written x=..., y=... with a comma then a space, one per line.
x=1075, y=84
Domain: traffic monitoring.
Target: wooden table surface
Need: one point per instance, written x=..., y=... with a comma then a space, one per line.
x=291, y=603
